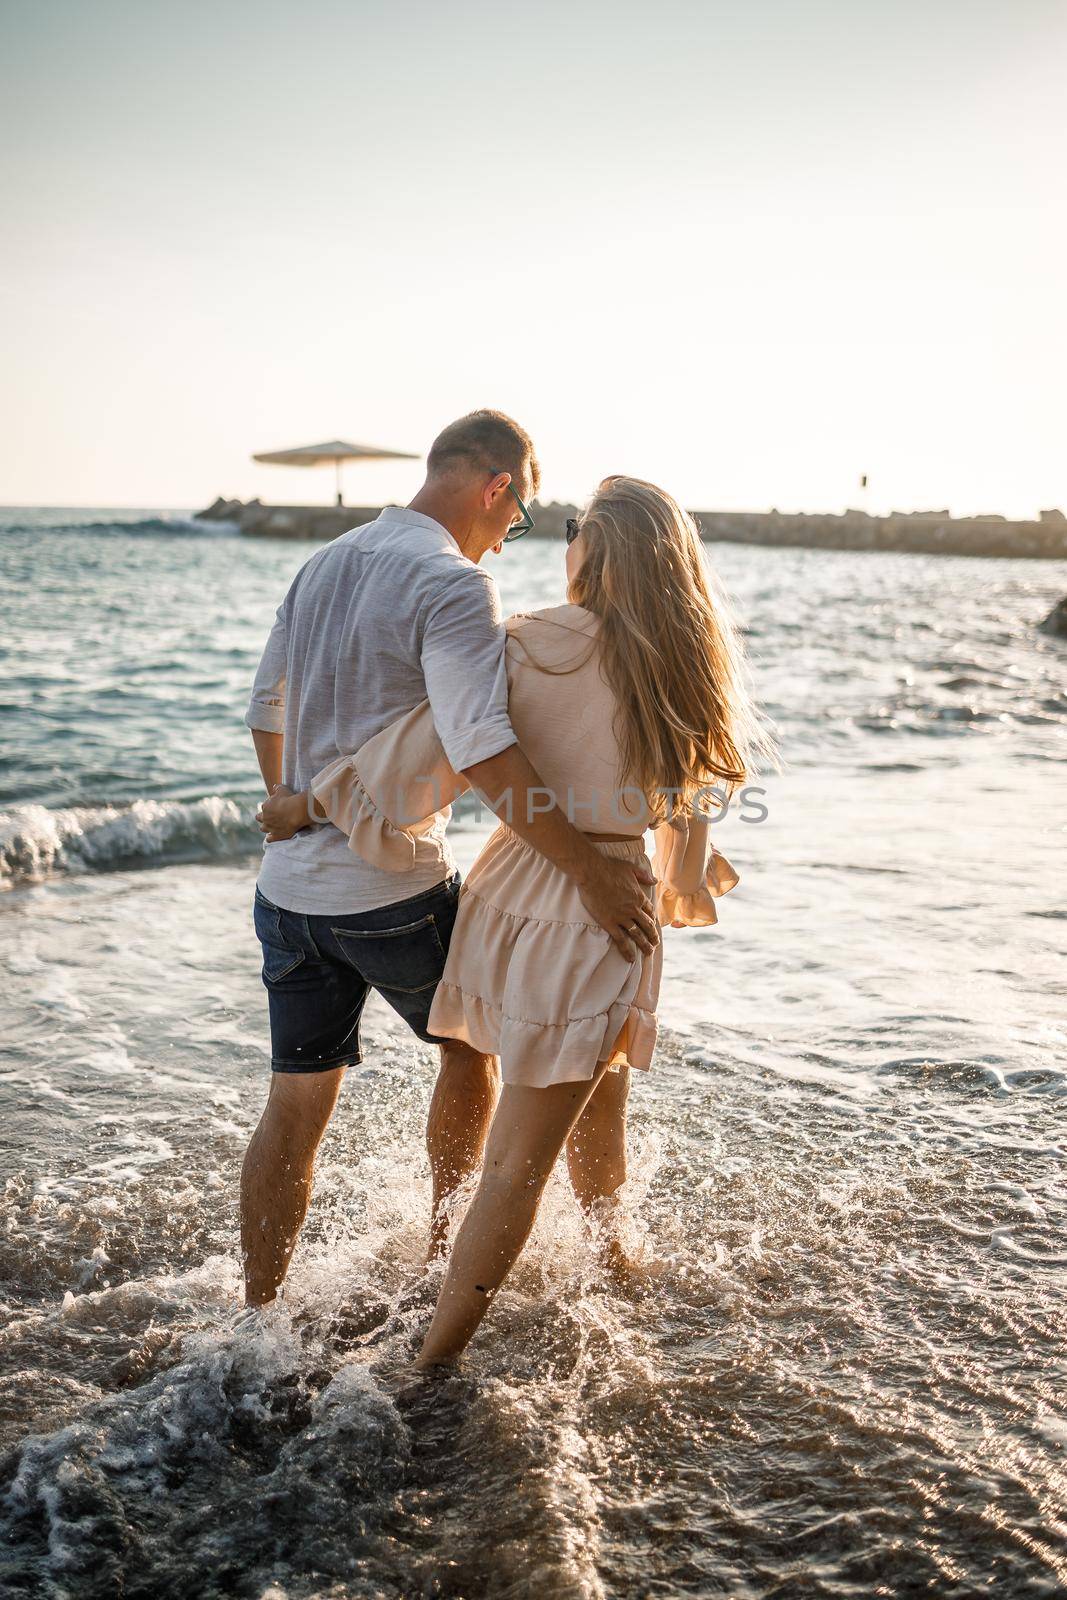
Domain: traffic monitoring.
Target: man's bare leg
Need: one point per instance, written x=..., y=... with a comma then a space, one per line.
x=460, y=1113
x=277, y=1175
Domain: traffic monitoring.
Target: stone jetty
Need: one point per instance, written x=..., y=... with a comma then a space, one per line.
x=923, y=532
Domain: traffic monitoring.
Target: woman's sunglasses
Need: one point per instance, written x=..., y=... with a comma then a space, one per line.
x=574, y=528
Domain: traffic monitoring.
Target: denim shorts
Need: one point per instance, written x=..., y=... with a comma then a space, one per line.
x=318, y=971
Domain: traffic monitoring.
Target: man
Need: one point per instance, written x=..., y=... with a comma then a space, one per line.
x=394, y=612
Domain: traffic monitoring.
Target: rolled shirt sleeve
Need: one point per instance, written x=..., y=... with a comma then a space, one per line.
x=465, y=668
x=266, y=708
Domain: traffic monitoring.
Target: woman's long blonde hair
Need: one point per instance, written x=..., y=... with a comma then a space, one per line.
x=670, y=648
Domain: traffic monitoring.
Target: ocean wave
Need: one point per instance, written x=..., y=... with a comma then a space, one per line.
x=143, y=527
x=37, y=843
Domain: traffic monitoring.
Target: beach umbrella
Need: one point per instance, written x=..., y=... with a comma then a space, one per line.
x=334, y=452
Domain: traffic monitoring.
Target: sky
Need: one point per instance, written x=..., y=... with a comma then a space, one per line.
x=750, y=250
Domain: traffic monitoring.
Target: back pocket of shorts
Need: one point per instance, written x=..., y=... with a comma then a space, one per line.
x=403, y=959
x=278, y=962
x=279, y=959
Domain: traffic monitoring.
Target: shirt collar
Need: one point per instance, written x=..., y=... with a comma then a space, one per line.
x=418, y=519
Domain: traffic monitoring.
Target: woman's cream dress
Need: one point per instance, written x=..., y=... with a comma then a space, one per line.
x=530, y=976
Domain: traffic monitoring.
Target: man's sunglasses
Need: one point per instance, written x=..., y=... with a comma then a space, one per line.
x=518, y=528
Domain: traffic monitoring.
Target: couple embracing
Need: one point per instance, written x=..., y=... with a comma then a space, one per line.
x=390, y=684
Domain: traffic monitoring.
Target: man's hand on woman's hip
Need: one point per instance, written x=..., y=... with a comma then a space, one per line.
x=613, y=892
x=610, y=889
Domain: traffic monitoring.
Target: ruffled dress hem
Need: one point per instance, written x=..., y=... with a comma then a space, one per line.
x=542, y=1053
x=543, y=987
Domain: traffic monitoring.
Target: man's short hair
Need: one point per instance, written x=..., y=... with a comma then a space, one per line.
x=489, y=442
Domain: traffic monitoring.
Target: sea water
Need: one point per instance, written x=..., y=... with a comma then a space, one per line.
x=848, y=1157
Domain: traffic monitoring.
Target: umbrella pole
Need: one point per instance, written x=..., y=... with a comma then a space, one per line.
x=337, y=470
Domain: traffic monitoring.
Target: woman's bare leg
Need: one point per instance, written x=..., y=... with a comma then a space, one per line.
x=596, y=1148
x=596, y=1161
x=461, y=1111
x=527, y=1135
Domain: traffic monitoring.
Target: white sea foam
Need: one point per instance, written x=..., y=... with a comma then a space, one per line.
x=36, y=842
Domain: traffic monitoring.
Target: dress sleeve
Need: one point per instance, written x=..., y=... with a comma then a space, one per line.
x=391, y=790
x=690, y=873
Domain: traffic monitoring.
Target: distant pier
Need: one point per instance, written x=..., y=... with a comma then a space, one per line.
x=929, y=533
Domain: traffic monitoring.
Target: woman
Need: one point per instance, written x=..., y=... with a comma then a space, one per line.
x=629, y=700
